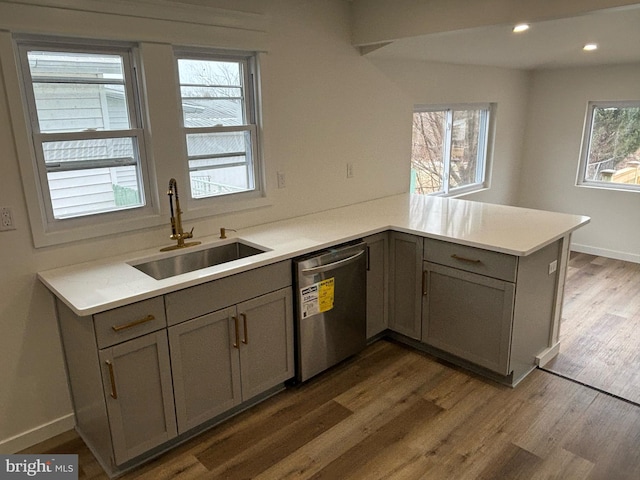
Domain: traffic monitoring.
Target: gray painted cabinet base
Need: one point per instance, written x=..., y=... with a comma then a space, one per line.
x=488, y=309
x=142, y=381
x=405, y=294
x=377, y=284
x=227, y=357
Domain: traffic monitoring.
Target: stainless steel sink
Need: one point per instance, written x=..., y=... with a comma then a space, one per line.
x=188, y=261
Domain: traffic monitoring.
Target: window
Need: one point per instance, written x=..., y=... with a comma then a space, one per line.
x=86, y=128
x=219, y=118
x=449, y=149
x=611, y=147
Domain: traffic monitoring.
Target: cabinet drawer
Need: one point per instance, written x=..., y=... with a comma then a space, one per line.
x=130, y=321
x=470, y=259
x=218, y=294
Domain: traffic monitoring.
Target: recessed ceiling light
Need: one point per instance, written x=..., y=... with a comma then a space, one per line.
x=589, y=47
x=521, y=27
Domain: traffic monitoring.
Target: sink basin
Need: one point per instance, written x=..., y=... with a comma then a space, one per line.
x=190, y=260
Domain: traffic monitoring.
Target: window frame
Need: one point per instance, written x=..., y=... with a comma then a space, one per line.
x=252, y=124
x=585, y=148
x=484, y=145
x=46, y=229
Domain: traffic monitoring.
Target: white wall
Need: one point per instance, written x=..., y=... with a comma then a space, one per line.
x=324, y=106
x=552, y=148
x=437, y=83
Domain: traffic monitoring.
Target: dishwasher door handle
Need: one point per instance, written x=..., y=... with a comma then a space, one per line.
x=330, y=266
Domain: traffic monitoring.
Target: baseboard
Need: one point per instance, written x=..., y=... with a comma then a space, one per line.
x=547, y=354
x=603, y=252
x=38, y=434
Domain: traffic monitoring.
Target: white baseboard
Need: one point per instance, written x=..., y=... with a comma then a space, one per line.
x=546, y=355
x=603, y=252
x=38, y=434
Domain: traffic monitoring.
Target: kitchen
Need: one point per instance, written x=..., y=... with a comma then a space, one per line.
x=310, y=70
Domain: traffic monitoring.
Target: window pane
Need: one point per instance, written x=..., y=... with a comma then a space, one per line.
x=427, y=154
x=212, y=93
x=216, y=143
x=99, y=152
x=614, y=147
x=79, y=92
x=213, y=182
x=91, y=191
x=220, y=163
x=465, y=138
x=92, y=176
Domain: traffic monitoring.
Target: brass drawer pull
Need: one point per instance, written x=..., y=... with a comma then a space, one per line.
x=237, y=342
x=118, y=328
x=245, y=340
x=464, y=259
x=112, y=378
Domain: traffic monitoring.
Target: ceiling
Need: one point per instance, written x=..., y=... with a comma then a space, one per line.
x=549, y=44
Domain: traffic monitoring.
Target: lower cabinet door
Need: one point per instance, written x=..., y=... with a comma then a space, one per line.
x=206, y=367
x=377, y=283
x=266, y=337
x=468, y=315
x=405, y=293
x=137, y=382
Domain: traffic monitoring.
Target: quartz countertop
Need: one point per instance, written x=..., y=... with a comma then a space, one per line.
x=101, y=285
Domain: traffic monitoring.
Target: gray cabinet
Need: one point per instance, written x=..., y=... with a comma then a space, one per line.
x=120, y=379
x=142, y=374
x=377, y=284
x=229, y=356
x=488, y=308
x=405, y=288
x=139, y=395
x=266, y=342
x=468, y=315
x=206, y=368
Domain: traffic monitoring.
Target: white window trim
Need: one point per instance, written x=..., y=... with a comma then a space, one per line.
x=45, y=230
x=581, y=181
x=115, y=223
x=199, y=207
x=483, y=172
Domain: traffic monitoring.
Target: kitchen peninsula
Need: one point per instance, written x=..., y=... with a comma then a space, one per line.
x=478, y=284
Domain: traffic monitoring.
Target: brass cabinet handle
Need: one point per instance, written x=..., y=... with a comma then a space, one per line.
x=245, y=340
x=424, y=282
x=237, y=342
x=464, y=259
x=124, y=326
x=112, y=378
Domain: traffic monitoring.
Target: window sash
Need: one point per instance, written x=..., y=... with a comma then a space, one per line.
x=447, y=147
x=585, y=177
x=40, y=139
x=248, y=123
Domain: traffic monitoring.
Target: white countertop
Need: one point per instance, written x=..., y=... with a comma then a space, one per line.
x=94, y=287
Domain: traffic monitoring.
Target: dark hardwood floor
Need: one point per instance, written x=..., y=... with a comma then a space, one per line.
x=600, y=329
x=394, y=413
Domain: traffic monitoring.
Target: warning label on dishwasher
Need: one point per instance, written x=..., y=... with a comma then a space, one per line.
x=317, y=298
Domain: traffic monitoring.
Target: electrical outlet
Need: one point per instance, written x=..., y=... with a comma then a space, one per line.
x=6, y=219
x=553, y=266
x=349, y=170
x=281, y=180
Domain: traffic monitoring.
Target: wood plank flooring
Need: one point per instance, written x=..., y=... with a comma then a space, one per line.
x=600, y=329
x=394, y=413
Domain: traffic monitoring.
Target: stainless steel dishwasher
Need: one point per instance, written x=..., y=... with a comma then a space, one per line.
x=331, y=310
